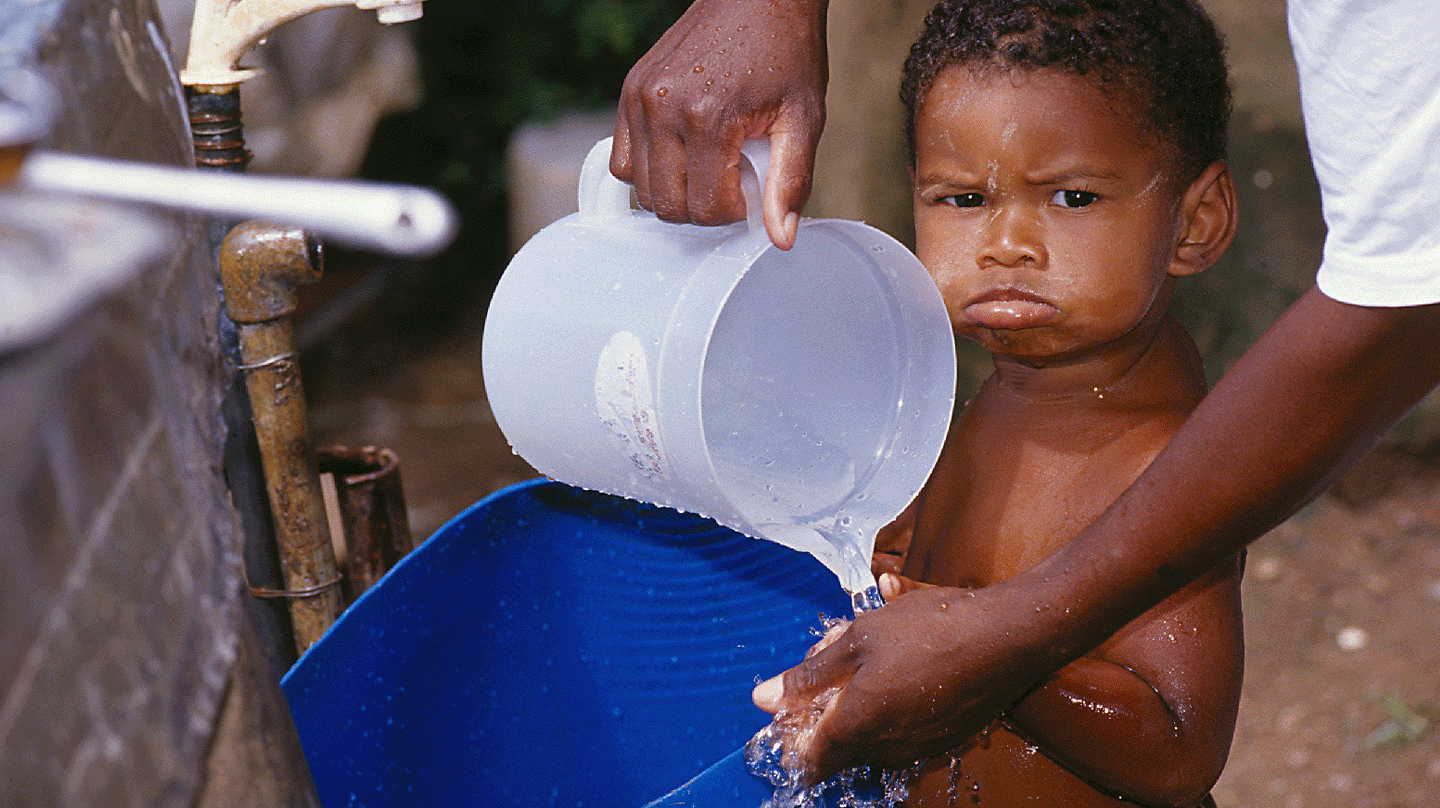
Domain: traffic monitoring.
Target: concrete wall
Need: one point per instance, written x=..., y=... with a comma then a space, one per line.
x=131, y=673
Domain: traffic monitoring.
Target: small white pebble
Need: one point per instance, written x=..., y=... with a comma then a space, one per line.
x=1352, y=638
x=1262, y=179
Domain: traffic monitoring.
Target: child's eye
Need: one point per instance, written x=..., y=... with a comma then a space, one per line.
x=1073, y=199
x=971, y=200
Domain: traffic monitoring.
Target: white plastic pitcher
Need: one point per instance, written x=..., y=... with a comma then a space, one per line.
x=800, y=396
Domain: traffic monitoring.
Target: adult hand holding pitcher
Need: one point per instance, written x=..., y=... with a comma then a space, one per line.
x=800, y=396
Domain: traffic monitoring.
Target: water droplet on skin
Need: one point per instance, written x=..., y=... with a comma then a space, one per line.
x=662, y=92
x=699, y=68
x=955, y=775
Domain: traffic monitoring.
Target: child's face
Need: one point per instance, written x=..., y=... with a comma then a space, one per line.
x=1048, y=220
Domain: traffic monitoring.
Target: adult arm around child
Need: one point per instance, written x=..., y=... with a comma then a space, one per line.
x=934, y=666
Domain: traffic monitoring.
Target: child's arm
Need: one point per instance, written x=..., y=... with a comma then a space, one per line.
x=893, y=542
x=1150, y=713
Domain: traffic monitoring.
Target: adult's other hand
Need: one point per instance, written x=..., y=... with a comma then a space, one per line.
x=914, y=679
x=727, y=70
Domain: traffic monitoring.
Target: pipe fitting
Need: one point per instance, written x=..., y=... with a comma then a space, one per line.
x=260, y=266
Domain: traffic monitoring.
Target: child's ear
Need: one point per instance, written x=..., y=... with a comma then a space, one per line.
x=1209, y=215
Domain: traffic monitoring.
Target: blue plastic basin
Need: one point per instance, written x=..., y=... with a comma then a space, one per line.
x=553, y=646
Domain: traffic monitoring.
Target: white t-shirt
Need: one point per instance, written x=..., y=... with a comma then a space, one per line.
x=1370, y=89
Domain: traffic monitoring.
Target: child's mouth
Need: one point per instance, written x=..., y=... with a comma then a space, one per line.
x=1010, y=309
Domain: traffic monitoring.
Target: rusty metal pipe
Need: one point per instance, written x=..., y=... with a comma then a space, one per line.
x=371, y=500
x=260, y=266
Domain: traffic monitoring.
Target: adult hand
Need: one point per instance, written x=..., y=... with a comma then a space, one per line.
x=727, y=70
x=915, y=678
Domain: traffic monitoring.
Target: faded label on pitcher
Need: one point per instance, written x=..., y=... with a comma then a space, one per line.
x=626, y=405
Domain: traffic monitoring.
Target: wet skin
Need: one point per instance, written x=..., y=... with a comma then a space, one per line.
x=1305, y=401
x=711, y=82
x=1047, y=220
x=1054, y=227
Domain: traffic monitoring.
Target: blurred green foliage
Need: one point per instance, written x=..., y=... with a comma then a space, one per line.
x=487, y=67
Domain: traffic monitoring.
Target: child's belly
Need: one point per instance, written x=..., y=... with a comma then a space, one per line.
x=999, y=770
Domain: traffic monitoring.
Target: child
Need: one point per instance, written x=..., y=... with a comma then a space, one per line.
x=1068, y=166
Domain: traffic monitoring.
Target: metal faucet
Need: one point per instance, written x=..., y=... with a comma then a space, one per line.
x=225, y=30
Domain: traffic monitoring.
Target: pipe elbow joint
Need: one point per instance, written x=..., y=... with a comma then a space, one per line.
x=260, y=266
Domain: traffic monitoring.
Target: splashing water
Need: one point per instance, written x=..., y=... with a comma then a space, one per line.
x=858, y=787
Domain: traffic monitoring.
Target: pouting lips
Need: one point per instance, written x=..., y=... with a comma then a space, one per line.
x=1010, y=309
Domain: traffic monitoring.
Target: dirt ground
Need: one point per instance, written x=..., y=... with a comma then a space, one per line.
x=1342, y=602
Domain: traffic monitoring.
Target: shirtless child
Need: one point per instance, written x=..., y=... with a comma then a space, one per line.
x=1068, y=165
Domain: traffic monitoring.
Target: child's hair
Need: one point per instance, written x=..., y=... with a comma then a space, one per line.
x=1165, y=55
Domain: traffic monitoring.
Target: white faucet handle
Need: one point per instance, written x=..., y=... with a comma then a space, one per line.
x=391, y=12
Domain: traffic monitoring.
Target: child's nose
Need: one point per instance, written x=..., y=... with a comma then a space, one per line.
x=1012, y=237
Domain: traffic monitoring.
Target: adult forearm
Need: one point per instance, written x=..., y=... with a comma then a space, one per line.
x=1311, y=396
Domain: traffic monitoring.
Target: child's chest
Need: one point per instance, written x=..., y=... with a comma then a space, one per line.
x=1002, y=500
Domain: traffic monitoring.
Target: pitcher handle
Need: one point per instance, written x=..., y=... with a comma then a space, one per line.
x=602, y=196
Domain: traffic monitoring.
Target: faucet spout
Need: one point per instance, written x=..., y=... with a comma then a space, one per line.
x=223, y=31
